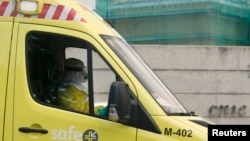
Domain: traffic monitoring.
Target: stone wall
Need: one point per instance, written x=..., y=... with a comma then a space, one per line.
x=212, y=81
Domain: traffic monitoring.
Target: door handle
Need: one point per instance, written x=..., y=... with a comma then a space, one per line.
x=32, y=130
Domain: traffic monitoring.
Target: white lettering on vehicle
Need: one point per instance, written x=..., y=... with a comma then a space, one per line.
x=68, y=135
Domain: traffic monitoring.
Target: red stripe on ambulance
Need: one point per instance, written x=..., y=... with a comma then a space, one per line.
x=3, y=6
x=49, y=11
x=7, y=8
x=58, y=12
x=71, y=15
x=44, y=11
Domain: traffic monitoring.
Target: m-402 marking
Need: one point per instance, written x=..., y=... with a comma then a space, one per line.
x=178, y=132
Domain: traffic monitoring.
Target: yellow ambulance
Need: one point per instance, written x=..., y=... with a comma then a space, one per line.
x=67, y=75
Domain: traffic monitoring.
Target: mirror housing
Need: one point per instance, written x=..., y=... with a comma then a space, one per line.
x=119, y=102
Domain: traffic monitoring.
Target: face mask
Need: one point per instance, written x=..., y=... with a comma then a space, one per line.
x=82, y=76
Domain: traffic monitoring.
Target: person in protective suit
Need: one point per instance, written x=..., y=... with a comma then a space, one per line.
x=71, y=93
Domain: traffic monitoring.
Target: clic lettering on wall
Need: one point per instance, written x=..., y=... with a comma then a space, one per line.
x=227, y=110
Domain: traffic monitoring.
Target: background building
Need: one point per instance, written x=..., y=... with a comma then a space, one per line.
x=196, y=22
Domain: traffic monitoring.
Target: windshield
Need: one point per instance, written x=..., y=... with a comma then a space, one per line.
x=145, y=75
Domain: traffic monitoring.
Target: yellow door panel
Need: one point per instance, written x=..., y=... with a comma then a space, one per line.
x=5, y=42
x=40, y=122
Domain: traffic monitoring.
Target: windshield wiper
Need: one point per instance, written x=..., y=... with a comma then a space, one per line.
x=192, y=113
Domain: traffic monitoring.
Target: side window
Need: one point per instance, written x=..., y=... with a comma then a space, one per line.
x=97, y=82
x=66, y=73
x=43, y=66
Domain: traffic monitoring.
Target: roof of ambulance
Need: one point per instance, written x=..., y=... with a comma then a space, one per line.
x=71, y=14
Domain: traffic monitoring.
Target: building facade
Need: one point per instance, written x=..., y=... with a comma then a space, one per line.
x=179, y=22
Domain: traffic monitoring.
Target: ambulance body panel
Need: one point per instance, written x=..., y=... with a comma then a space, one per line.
x=36, y=38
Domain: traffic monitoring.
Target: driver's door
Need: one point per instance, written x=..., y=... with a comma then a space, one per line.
x=38, y=63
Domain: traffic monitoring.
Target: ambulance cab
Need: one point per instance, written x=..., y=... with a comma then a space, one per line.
x=67, y=75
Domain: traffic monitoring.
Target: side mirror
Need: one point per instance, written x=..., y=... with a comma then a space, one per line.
x=119, y=102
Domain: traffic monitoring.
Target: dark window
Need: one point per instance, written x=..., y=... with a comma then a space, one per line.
x=67, y=73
